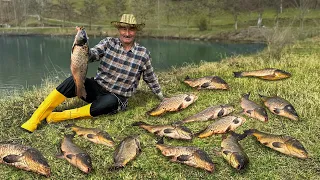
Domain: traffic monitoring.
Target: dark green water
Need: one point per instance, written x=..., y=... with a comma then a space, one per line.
x=27, y=60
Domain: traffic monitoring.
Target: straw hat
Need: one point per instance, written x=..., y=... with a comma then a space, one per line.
x=128, y=20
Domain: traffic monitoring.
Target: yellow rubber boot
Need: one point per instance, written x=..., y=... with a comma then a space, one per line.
x=82, y=112
x=46, y=107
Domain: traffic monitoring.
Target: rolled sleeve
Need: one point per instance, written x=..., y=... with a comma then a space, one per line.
x=150, y=78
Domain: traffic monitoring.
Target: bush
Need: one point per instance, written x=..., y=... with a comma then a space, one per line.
x=202, y=24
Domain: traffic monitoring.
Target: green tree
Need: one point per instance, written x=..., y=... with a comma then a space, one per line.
x=90, y=11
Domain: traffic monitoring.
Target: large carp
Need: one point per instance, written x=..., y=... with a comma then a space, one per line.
x=175, y=103
x=252, y=109
x=171, y=131
x=207, y=82
x=210, y=113
x=79, y=61
x=74, y=155
x=284, y=144
x=128, y=150
x=222, y=125
x=266, y=74
x=24, y=157
x=280, y=106
x=188, y=155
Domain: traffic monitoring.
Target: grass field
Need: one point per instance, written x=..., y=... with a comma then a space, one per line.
x=302, y=90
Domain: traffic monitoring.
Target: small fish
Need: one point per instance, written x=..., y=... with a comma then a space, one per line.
x=128, y=149
x=24, y=157
x=93, y=134
x=172, y=131
x=223, y=125
x=252, y=109
x=266, y=74
x=207, y=82
x=284, y=144
x=74, y=155
x=79, y=61
x=232, y=151
x=174, y=103
x=191, y=156
x=280, y=106
x=210, y=113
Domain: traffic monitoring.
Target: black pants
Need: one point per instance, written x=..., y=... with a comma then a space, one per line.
x=103, y=102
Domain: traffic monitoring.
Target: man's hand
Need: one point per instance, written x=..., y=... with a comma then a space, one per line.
x=160, y=96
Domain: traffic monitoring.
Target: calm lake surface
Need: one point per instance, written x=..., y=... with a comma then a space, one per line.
x=27, y=60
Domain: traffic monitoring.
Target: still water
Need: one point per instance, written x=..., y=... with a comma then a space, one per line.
x=27, y=60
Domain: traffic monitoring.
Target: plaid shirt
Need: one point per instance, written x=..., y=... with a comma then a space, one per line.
x=119, y=71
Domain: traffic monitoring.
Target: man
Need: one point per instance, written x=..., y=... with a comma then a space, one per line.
x=122, y=63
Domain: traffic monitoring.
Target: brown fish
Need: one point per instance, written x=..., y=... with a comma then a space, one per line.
x=210, y=113
x=191, y=156
x=94, y=135
x=266, y=74
x=174, y=103
x=284, y=144
x=223, y=125
x=232, y=151
x=171, y=131
x=207, y=82
x=280, y=106
x=128, y=150
x=79, y=61
x=252, y=109
x=74, y=155
x=24, y=157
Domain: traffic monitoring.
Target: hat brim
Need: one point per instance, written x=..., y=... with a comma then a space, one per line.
x=121, y=24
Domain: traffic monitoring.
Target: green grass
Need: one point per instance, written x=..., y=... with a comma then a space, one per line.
x=302, y=90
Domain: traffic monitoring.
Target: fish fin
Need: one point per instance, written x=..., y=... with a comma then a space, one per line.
x=249, y=111
x=264, y=98
x=69, y=156
x=168, y=130
x=91, y=136
x=226, y=152
x=177, y=123
x=115, y=167
x=60, y=155
x=246, y=96
x=276, y=110
x=139, y=123
x=187, y=78
x=183, y=158
x=205, y=85
x=237, y=74
x=221, y=113
x=160, y=141
x=69, y=125
x=249, y=131
x=11, y=158
x=238, y=136
x=277, y=144
x=180, y=107
x=228, y=129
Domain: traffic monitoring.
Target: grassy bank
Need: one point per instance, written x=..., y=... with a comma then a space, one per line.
x=302, y=90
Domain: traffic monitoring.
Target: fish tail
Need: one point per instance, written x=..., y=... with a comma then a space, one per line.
x=139, y=123
x=239, y=136
x=71, y=136
x=249, y=132
x=237, y=74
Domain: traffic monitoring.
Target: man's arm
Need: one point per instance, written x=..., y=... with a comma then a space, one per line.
x=98, y=50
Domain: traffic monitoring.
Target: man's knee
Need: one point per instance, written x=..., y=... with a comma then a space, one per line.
x=104, y=105
x=67, y=87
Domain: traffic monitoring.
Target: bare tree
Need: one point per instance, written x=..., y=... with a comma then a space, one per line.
x=114, y=8
x=90, y=11
x=232, y=6
x=303, y=6
x=64, y=9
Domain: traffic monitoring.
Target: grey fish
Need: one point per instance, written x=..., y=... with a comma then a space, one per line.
x=280, y=106
x=284, y=144
x=79, y=61
x=207, y=82
x=223, y=125
x=74, y=155
x=252, y=109
x=172, y=131
x=128, y=149
x=210, y=113
x=24, y=157
x=266, y=74
x=191, y=156
x=232, y=151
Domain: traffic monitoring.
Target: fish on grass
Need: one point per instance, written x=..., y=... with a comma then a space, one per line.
x=233, y=152
x=222, y=125
x=210, y=113
x=280, y=106
x=171, y=131
x=175, y=103
x=24, y=157
x=207, y=82
x=191, y=156
x=128, y=149
x=282, y=143
x=252, y=109
x=271, y=74
x=94, y=135
x=74, y=155
x=79, y=61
